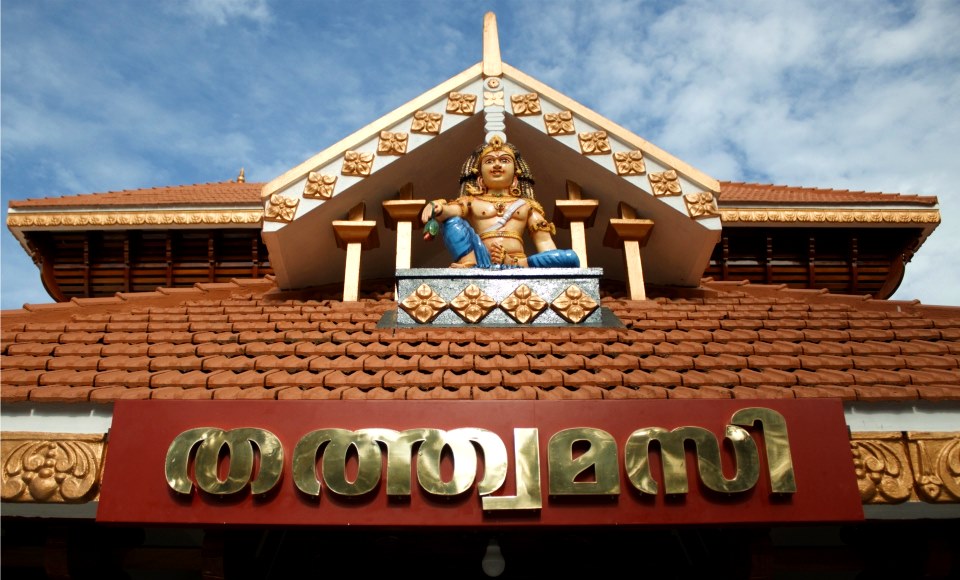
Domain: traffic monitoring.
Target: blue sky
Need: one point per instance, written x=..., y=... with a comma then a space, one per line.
x=107, y=95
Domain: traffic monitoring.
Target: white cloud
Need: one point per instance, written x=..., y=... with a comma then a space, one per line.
x=220, y=12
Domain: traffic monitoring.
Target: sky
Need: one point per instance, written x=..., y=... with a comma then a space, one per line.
x=105, y=95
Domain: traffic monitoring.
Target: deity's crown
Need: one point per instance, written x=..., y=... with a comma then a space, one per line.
x=497, y=144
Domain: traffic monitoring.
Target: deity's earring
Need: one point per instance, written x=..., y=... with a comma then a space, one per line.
x=515, y=187
x=481, y=185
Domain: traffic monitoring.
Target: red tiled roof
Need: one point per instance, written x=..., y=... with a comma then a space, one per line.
x=223, y=193
x=249, y=193
x=246, y=340
x=731, y=191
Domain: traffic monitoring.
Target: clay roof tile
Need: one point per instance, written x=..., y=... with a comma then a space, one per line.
x=61, y=394
x=438, y=393
x=445, y=362
x=25, y=362
x=303, y=379
x=569, y=393
x=635, y=392
x=532, y=378
x=413, y=378
x=705, y=392
x=825, y=391
x=657, y=377
x=886, y=393
x=14, y=394
x=938, y=392
x=595, y=378
x=35, y=349
x=717, y=377
x=671, y=362
x=762, y=392
x=504, y=363
x=490, y=378
x=503, y=393
x=21, y=377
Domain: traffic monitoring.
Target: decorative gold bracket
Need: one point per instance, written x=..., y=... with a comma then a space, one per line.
x=355, y=235
x=632, y=234
x=403, y=215
x=577, y=214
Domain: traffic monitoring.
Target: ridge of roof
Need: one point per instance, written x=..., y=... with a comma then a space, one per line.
x=232, y=192
x=735, y=191
x=200, y=194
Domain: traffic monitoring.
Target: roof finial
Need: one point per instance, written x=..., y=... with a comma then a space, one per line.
x=241, y=178
x=491, y=46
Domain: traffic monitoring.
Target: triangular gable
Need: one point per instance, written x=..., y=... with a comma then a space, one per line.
x=424, y=142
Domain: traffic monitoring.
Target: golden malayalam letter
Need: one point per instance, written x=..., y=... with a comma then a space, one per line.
x=239, y=443
x=526, y=446
x=178, y=457
x=399, y=451
x=776, y=443
x=369, y=463
x=564, y=468
x=431, y=453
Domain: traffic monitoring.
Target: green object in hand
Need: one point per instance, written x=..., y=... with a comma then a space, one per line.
x=432, y=228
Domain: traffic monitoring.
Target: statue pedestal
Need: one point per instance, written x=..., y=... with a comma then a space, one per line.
x=476, y=297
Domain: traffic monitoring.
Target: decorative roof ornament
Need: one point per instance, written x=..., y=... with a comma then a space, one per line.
x=241, y=178
x=492, y=65
x=493, y=96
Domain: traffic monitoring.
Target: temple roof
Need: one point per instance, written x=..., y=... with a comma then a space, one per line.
x=733, y=192
x=248, y=340
x=234, y=193
x=204, y=194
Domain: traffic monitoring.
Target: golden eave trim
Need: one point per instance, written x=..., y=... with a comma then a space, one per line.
x=702, y=180
x=370, y=131
x=53, y=468
x=86, y=219
x=840, y=216
x=895, y=467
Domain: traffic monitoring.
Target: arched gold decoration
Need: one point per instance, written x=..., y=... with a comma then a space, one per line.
x=936, y=464
x=883, y=472
x=930, y=216
x=51, y=468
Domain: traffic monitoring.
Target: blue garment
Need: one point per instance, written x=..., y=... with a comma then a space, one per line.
x=460, y=239
x=554, y=259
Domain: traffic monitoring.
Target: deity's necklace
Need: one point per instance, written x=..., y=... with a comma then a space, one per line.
x=499, y=205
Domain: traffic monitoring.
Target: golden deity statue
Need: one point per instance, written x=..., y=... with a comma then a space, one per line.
x=484, y=227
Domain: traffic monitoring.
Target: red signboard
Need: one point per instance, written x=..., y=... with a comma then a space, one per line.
x=478, y=463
